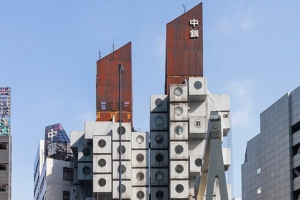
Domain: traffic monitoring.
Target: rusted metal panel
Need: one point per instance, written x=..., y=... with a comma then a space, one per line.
x=110, y=116
x=107, y=83
x=184, y=45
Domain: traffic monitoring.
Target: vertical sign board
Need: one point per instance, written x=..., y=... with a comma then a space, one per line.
x=57, y=143
x=4, y=111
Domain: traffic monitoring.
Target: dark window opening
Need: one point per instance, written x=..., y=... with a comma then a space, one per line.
x=296, y=127
x=3, y=166
x=3, y=145
x=67, y=174
x=66, y=195
x=2, y=188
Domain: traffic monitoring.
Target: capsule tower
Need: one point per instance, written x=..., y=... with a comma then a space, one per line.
x=180, y=119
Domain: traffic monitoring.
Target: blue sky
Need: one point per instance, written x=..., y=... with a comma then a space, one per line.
x=48, y=53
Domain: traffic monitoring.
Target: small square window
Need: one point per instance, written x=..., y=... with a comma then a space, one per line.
x=258, y=191
x=258, y=171
x=3, y=188
x=3, y=145
x=66, y=195
x=67, y=174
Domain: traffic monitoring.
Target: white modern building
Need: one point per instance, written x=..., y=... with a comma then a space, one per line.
x=52, y=169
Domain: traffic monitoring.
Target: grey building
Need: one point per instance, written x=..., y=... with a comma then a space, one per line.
x=5, y=144
x=271, y=169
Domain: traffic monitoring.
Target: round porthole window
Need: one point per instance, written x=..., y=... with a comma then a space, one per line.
x=102, y=182
x=197, y=85
x=159, y=102
x=140, y=194
x=178, y=111
x=159, y=194
x=140, y=157
x=140, y=139
x=86, y=170
x=123, y=188
x=198, y=162
x=215, y=126
x=140, y=176
x=102, y=143
x=178, y=130
x=159, y=176
x=159, y=157
x=123, y=149
x=86, y=151
x=178, y=91
x=159, y=120
x=198, y=123
x=179, y=188
x=178, y=149
x=122, y=168
x=102, y=162
x=159, y=139
x=121, y=130
x=179, y=169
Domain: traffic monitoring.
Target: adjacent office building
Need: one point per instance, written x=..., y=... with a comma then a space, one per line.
x=5, y=144
x=271, y=169
x=52, y=165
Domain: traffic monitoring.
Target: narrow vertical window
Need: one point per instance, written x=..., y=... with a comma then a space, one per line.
x=67, y=174
x=66, y=195
x=258, y=170
x=258, y=191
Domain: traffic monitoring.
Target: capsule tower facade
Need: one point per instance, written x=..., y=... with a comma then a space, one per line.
x=179, y=119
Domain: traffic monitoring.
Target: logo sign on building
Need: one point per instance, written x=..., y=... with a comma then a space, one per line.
x=57, y=143
x=194, y=33
x=4, y=111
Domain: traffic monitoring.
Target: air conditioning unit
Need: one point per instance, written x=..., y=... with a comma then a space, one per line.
x=159, y=158
x=178, y=93
x=179, y=189
x=159, y=177
x=159, y=140
x=125, y=150
x=85, y=171
x=219, y=102
x=102, y=164
x=85, y=152
x=140, y=140
x=197, y=89
x=125, y=169
x=140, y=158
x=158, y=121
x=226, y=152
x=159, y=103
x=101, y=144
x=97, y=128
x=179, y=112
x=159, y=193
x=195, y=165
x=124, y=130
x=179, y=131
x=140, y=193
x=179, y=151
x=102, y=183
x=140, y=177
x=179, y=169
x=125, y=189
x=198, y=127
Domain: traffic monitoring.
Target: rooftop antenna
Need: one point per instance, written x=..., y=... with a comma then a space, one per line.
x=99, y=54
x=183, y=5
x=113, y=44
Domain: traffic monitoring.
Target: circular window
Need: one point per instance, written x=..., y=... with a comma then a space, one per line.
x=198, y=162
x=159, y=120
x=159, y=139
x=123, y=188
x=140, y=157
x=179, y=169
x=178, y=91
x=122, y=168
x=140, y=194
x=159, y=194
x=179, y=188
x=178, y=149
x=178, y=130
x=123, y=149
x=86, y=151
x=215, y=126
x=140, y=176
x=123, y=130
x=159, y=102
x=198, y=123
x=86, y=170
x=178, y=111
x=159, y=157
x=159, y=176
x=197, y=85
x=102, y=182
x=102, y=143
x=140, y=139
x=102, y=162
